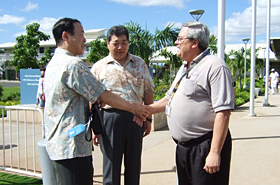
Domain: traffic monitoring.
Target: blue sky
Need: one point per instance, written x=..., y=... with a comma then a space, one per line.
x=150, y=14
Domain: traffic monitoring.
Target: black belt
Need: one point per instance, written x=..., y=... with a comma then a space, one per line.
x=195, y=141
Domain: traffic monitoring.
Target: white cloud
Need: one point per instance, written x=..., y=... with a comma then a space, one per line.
x=10, y=19
x=173, y=3
x=30, y=7
x=20, y=33
x=239, y=24
x=46, y=24
x=175, y=24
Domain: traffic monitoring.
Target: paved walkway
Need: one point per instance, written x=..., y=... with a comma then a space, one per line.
x=255, y=152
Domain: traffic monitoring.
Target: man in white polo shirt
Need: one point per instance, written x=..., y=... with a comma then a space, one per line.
x=198, y=107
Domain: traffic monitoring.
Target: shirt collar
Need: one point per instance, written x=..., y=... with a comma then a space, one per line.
x=128, y=59
x=63, y=51
x=201, y=55
x=198, y=58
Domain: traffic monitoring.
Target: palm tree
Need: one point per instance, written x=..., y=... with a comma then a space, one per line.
x=141, y=42
x=166, y=37
x=236, y=63
x=213, y=44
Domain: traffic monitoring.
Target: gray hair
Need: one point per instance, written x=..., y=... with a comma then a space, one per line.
x=198, y=30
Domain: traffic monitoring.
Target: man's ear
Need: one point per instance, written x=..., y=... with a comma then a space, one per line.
x=195, y=43
x=107, y=43
x=64, y=35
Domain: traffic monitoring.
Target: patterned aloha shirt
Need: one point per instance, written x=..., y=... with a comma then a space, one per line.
x=130, y=81
x=69, y=88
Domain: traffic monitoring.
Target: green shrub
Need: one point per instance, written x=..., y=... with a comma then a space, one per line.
x=239, y=101
x=8, y=103
x=159, y=91
x=242, y=96
x=166, y=77
x=14, y=97
x=155, y=80
x=1, y=91
x=259, y=83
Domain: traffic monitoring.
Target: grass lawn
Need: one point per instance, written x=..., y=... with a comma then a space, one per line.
x=6, y=178
x=7, y=91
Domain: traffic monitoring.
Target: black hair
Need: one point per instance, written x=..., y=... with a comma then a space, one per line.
x=118, y=31
x=65, y=24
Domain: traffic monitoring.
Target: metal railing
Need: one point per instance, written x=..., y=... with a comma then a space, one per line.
x=22, y=128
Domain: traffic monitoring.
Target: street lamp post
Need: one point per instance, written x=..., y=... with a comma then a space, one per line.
x=245, y=42
x=264, y=49
x=221, y=28
x=253, y=57
x=267, y=52
x=196, y=14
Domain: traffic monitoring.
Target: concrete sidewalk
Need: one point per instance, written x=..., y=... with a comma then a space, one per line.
x=255, y=151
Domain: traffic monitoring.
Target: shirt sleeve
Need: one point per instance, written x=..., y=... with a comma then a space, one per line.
x=221, y=89
x=82, y=81
x=149, y=83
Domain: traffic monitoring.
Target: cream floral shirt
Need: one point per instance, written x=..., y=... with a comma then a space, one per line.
x=130, y=81
x=69, y=88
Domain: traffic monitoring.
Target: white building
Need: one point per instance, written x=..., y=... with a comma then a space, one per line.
x=90, y=35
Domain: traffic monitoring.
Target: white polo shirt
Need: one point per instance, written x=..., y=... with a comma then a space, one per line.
x=207, y=90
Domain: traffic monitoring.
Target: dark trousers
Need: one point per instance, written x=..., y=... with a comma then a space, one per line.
x=190, y=160
x=122, y=138
x=76, y=171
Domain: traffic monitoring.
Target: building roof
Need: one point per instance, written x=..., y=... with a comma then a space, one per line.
x=261, y=53
x=156, y=58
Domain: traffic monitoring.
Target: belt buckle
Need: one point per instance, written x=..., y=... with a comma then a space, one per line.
x=182, y=143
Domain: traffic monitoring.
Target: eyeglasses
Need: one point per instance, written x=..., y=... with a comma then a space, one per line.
x=180, y=39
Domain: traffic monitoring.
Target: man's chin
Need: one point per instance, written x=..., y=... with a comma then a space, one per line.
x=179, y=55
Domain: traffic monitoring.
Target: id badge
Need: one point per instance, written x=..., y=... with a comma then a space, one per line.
x=168, y=110
x=76, y=130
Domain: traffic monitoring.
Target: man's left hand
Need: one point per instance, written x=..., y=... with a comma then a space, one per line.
x=212, y=163
x=138, y=120
x=96, y=140
x=147, y=128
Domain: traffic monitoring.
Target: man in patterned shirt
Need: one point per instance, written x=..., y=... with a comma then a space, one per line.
x=128, y=76
x=70, y=87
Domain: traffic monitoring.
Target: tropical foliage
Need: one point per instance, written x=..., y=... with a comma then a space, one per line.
x=46, y=58
x=98, y=50
x=213, y=44
x=166, y=37
x=237, y=63
x=26, y=50
x=141, y=42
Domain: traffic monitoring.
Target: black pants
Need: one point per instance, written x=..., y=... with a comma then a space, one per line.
x=76, y=171
x=122, y=138
x=190, y=160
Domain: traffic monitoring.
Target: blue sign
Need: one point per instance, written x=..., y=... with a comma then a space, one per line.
x=29, y=81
